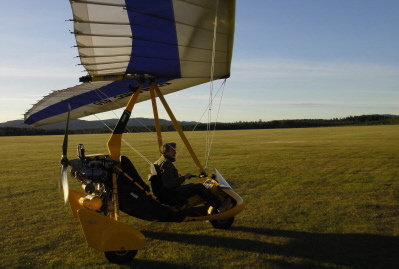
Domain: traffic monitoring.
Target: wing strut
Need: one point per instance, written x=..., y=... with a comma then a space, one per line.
x=156, y=117
x=154, y=87
x=115, y=141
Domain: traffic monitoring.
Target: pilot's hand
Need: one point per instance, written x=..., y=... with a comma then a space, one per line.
x=188, y=176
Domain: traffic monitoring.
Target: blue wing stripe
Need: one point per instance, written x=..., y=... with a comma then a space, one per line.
x=110, y=90
x=154, y=38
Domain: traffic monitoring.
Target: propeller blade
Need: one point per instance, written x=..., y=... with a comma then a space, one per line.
x=64, y=160
x=64, y=182
x=65, y=143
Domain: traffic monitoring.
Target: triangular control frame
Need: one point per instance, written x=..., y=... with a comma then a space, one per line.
x=114, y=143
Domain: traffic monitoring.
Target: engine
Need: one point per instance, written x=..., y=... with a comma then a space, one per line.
x=93, y=171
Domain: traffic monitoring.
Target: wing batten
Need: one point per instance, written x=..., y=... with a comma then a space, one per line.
x=104, y=3
x=98, y=96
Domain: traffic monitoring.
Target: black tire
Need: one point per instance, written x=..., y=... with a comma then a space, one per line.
x=120, y=257
x=223, y=223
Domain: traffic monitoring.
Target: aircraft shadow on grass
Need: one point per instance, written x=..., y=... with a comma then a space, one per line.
x=137, y=263
x=354, y=250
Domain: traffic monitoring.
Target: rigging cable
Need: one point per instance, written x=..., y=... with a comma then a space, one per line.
x=102, y=95
x=124, y=141
x=214, y=127
x=208, y=142
x=127, y=143
x=120, y=107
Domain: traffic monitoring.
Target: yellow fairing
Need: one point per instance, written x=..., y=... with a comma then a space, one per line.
x=91, y=202
x=226, y=214
x=106, y=234
x=222, y=193
x=74, y=197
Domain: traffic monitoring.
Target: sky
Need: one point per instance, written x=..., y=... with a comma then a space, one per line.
x=308, y=59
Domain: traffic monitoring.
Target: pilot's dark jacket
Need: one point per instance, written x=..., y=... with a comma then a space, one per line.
x=169, y=174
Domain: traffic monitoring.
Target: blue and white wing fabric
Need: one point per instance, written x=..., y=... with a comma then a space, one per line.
x=179, y=43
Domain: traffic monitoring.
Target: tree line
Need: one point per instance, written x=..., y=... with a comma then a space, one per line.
x=240, y=125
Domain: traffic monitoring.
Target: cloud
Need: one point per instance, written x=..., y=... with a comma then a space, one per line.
x=13, y=108
x=38, y=71
x=279, y=69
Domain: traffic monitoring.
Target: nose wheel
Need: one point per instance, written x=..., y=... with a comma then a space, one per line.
x=223, y=223
x=120, y=257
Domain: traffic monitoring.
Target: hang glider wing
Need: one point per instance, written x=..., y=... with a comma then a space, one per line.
x=169, y=40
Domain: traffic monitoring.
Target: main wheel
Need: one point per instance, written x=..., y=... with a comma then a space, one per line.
x=223, y=223
x=120, y=256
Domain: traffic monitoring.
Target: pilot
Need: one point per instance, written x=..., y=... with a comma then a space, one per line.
x=173, y=189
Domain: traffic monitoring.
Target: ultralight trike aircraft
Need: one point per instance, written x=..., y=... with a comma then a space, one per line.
x=136, y=51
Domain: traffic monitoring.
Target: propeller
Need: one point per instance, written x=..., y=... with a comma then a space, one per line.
x=64, y=160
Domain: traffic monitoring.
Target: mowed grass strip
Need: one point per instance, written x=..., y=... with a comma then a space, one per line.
x=317, y=197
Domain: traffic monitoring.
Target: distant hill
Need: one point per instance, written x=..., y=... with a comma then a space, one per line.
x=85, y=125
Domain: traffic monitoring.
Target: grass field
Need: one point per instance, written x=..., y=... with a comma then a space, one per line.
x=317, y=197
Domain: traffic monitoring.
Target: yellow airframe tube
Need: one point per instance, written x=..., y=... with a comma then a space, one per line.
x=156, y=117
x=178, y=128
x=114, y=145
x=115, y=141
x=115, y=200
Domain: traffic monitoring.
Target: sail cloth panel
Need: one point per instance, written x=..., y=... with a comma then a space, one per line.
x=171, y=40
